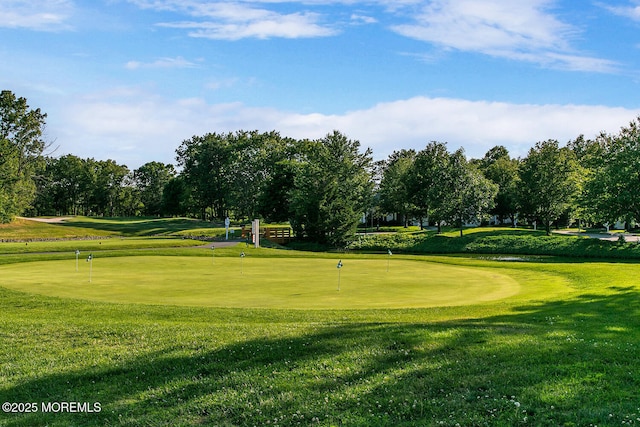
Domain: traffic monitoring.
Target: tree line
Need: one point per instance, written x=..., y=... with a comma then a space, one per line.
x=323, y=187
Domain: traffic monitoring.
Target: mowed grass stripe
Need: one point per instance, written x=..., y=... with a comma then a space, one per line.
x=263, y=282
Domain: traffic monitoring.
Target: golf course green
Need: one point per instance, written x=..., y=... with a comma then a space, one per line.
x=253, y=282
x=157, y=332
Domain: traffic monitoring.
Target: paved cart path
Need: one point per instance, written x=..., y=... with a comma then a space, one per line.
x=602, y=236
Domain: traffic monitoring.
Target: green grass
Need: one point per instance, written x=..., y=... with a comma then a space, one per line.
x=255, y=282
x=562, y=351
x=26, y=230
x=92, y=245
x=483, y=240
x=137, y=226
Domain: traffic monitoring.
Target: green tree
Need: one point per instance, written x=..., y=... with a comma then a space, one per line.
x=593, y=202
x=64, y=184
x=150, y=180
x=275, y=198
x=549, y=177
x=175, y=197
x=108, y=192
x=469, y=195
x=21, y=149
x=502, y=170
x=613, y=184
x=427, y=182
x=207, y=170
x=254, y=162
x=394, y=186
x=332, y=189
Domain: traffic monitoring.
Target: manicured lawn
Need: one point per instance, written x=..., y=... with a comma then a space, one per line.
x=89, y=245
x=254, y=282
x=556, y=344
x=24, y=229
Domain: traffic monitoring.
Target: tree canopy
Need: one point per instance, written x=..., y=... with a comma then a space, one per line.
x=21, y=149
x=323, y=187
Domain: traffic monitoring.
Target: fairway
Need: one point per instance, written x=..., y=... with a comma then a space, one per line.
x=262, y=282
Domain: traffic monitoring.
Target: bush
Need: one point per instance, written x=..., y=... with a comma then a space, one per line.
x=499, y=243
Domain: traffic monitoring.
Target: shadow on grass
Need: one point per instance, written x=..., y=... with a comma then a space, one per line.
x=559, y=363
x=139, y=226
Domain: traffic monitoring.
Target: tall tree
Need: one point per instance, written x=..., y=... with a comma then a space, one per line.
x=593, y=200
x=469, y=195
x=21, y=149
x=207, y=170
x=427, y=182
x=614, y=184
x=66, y=175
x=253, y=164
x=394, y=186
x=502, y=170
x=108, y=191
x=150, y=180
x=275, y=198
x=549, y=182
x=331, y=190
x=175, y=197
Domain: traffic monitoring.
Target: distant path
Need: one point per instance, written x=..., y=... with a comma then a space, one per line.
x=55, y=220
x=602, y=236
x=60, y=219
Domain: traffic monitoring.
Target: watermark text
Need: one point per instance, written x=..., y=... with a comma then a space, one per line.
x=51, y=407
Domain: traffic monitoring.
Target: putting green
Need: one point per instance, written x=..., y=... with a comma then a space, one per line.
x=262, y=282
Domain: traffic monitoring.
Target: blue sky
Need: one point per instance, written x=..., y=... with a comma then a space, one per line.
x=129, y=80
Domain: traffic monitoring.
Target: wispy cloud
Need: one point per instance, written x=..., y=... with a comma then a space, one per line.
x=289, y=26
x=222, y=83
x=178, y=62
x=518, y=30
x=357, y=18
x=239, y=20
x=133, y=127
x=631, y=11
x=40, y=15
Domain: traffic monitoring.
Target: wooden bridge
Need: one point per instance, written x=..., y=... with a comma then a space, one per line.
x=278, y=235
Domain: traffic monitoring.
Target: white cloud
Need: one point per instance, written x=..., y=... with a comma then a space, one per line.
x=178, y=62
x=133, y=127
x=632, y=11
x=474, y=125
x=362, y=19
x=521, y=30
x=41, y=15
x=239, y=20
x=272, y=25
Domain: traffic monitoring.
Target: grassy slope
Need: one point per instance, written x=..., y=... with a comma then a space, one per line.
x=530, y=361
x=27, y=230
x=498, y=241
